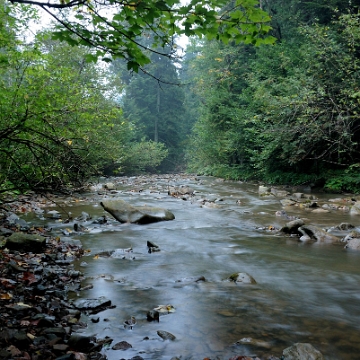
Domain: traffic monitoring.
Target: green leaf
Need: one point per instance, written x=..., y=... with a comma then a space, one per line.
x=133, y=65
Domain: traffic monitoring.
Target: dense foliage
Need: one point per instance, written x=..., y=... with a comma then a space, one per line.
x=112, y=28
x=287, y=113
x=61, y=118
x=281, y=113
x=58, y=122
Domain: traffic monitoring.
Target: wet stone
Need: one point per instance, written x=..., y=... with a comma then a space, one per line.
x=5, y=231
x=4, y=354
x=21, y=340
x=92, y=304
x=165, y=335
x=26, y=242
x=80, y=342
x=152, y=247
x=242, y=278
x=122, y=345
x=153, y=315
x=192, y=279
x=254, y=342
x=300, y=351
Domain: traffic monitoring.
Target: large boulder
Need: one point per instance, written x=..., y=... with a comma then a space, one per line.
x=264, y=190
x=292, y=226
x=126, y=213
x=355, y=209
x=311, y=232
x=353, y=244
x=302, y=351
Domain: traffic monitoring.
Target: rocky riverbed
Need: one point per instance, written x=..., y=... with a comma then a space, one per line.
x=40, y=318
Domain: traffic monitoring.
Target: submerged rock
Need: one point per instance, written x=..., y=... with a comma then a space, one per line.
x=353, y=244
x=126, y=213
x=352, y=235
x=191, y=279
x=166, y=335
x=254, y=342
x=287, y=202
x=355, y=209
x=264, y=190
x=122, y=345
x=242, y=278
x=292, y=226
x=100, y=303
x=180, y=191
x=152, y=247
x=311, y=232
x=302, y=351
x=344, y=227
x=153, y=315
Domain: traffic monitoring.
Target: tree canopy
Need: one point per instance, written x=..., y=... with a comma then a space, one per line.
x=114, y=28
x=287, y=113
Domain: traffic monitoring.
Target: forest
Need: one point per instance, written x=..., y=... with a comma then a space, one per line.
x=263, y=90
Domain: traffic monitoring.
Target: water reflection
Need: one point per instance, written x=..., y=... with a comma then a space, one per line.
x=304, y=293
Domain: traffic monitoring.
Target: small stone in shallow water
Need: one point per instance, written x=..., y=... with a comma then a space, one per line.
x=192, y=279
x=300, y=351
x=80, y=342
x=92, y=304
x=166, y=335
x=242, y=278
x=254, y=342
x=153, y=315
x=122, y=345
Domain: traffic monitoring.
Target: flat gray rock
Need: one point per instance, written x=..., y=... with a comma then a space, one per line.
x=302, y=351
x=92, y=304
x=126, y=213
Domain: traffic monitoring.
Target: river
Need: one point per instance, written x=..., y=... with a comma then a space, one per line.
x=303, y=292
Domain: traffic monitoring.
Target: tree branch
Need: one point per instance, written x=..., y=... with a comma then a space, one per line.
x=49, y=4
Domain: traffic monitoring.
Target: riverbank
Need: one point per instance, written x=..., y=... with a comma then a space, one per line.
x=37, y=321
x=220, y=228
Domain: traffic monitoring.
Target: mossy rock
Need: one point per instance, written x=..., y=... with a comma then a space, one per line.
x=26, y=242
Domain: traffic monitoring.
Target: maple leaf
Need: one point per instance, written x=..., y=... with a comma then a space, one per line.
x=30, y=277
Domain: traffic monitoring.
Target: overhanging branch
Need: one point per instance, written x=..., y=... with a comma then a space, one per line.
x=61, y=5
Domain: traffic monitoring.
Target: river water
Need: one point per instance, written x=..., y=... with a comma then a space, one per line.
x=304, y=292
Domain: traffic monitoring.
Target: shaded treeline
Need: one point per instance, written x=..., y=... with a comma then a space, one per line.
x=282, y=113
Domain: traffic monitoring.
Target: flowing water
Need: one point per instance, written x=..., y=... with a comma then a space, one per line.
x=304, y=292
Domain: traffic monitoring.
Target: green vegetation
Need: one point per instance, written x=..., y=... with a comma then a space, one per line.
x=280, y=112
x=56, y=126
x=113, y=29
x=156, y=107
x=64, y=117
x=286, y=113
